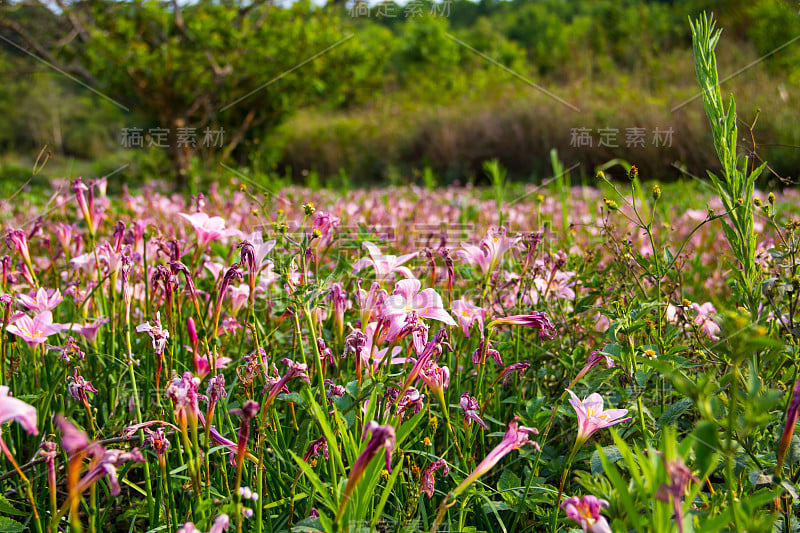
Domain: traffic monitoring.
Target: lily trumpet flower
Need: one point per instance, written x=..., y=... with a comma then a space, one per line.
x=489, y=253
x=515, y=438
x=592, y=416
x=385, y=265
x=209, y=228
x=35, y=330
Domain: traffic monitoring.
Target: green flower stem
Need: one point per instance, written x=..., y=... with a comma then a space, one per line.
x=138, y=410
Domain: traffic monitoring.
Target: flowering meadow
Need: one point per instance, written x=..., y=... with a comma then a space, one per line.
x=614, y=357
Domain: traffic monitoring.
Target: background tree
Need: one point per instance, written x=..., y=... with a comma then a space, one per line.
x=237, y=66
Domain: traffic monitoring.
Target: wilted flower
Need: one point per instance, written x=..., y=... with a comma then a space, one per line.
x=334, y=389
x=157, y=333
x=69, y=352
x=296, y=370
x=411, y=400
x=325, y=352
x=679, y=477
x=383, y=437
x=260, y=249
x=247, y=257
x=534, y=320
x=510, y=369
x=315, y=448
x=157, y=440
x=78, y=387
x=216, y=388
x=788, y=426
x=246, y=413
x=470, y=407
x=426, y=483
x=185, y=398
x=104, y=462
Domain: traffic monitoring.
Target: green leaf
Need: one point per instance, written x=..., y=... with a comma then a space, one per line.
x=674, y=411
x=322, y=490
x=293, y=397
x=705, y=436
x=322, y=419
x=387, y=490
x=508, y=480
x=7, y=508
x=611, y=453
x=8, y=525
x=308, y=525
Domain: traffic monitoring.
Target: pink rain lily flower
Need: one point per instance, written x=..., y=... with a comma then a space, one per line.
x=556, y=286
x=111, y=257
x=703, y=319
x=385, y=265
x=592, y=416
x=467, y=314
x=43, y=300
x=436, y=377
x=35, y=330
x=239, y=296
x=489, y=253
x=516, y=437
x=221, y=523
x=678, y=315
x=406, y=298
x=14, y=409
x=16, y=238
x=586, y=512
x=260, y=249
x=209, y=228
x=89, y=331
x=370, y=302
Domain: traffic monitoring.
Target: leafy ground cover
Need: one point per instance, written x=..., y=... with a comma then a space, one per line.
x=312, y=361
